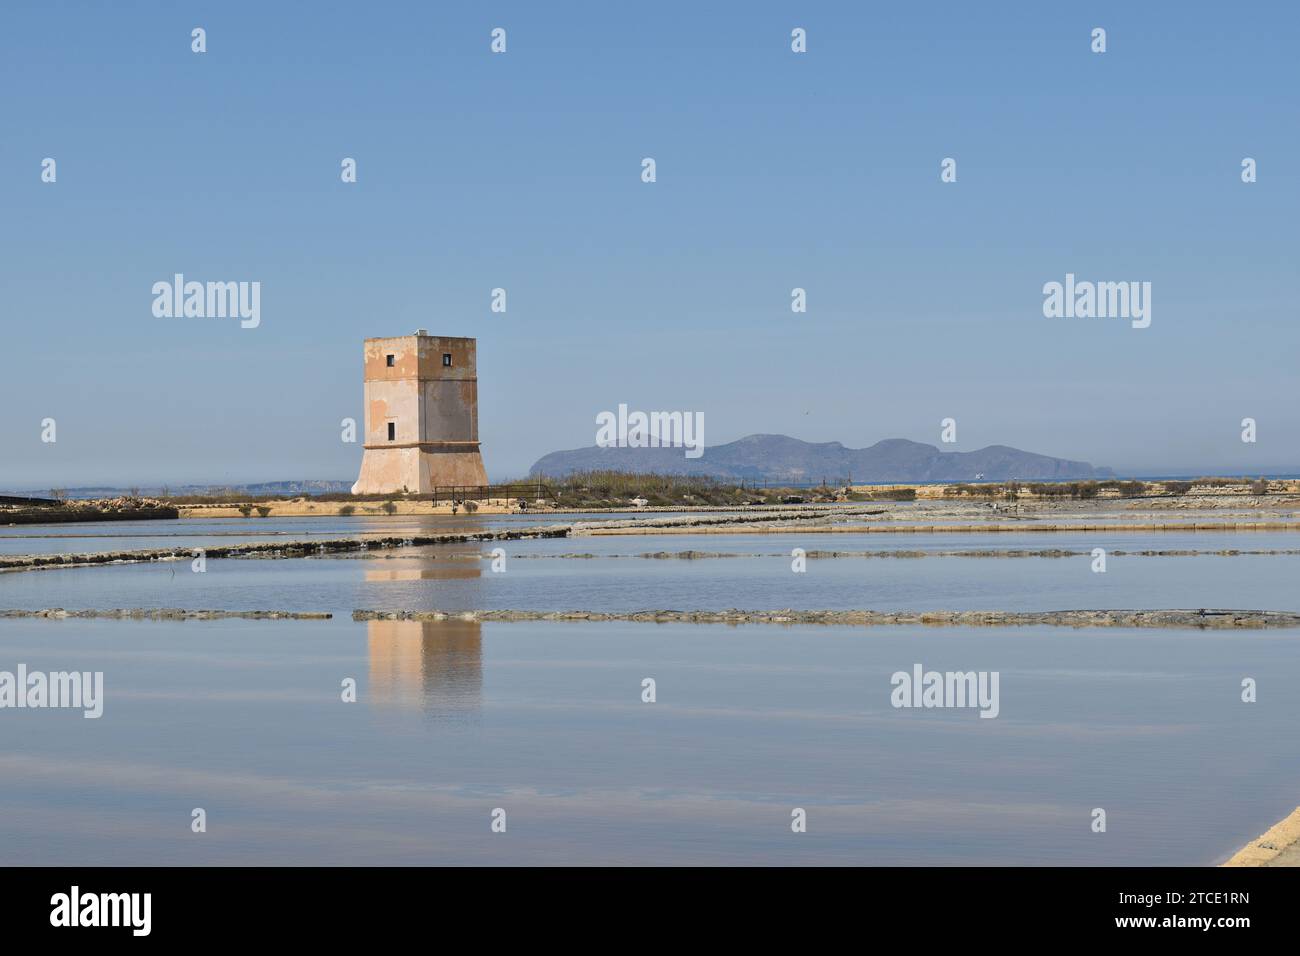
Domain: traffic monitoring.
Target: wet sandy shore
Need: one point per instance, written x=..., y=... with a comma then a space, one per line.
x=1279, y=846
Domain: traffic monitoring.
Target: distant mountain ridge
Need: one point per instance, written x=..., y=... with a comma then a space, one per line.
x=782, y=458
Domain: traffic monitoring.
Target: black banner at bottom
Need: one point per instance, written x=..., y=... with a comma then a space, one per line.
x=331, y=905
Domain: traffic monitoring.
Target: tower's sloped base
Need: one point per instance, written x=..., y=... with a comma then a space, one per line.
x=417, y=470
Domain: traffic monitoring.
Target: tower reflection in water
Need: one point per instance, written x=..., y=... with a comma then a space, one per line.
x=434, y=667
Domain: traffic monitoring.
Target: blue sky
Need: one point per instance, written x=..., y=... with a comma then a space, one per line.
x=522, y=171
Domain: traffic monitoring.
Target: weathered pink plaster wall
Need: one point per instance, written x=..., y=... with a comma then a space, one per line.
x=434, y=409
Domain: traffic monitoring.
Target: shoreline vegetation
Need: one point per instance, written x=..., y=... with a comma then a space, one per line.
x=616, y=491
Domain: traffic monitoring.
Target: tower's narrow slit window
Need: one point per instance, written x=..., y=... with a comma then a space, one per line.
x=392, y=431
x=446, y=359
x=388, y=360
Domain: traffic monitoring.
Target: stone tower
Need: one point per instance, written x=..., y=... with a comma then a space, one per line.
x=421, y=395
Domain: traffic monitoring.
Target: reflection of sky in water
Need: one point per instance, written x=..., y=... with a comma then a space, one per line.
x=245, y=719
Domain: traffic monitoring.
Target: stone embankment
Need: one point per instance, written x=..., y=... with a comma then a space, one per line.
x=168, y=614
x=692, y=555
x=67, y=515
x=747, y=526
x=269, y=549
x=1202, y=618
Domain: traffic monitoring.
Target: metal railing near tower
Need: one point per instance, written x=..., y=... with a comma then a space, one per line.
x=527, y=491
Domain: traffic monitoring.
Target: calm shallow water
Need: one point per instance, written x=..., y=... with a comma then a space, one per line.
x=459, y=577
x=545, y=720
x=210, y=532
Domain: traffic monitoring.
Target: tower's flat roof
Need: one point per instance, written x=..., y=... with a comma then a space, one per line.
x=412, y=335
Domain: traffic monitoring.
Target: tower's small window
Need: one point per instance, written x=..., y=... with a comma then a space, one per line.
x=446, y=359
x=392, y=431
x=388, y=360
